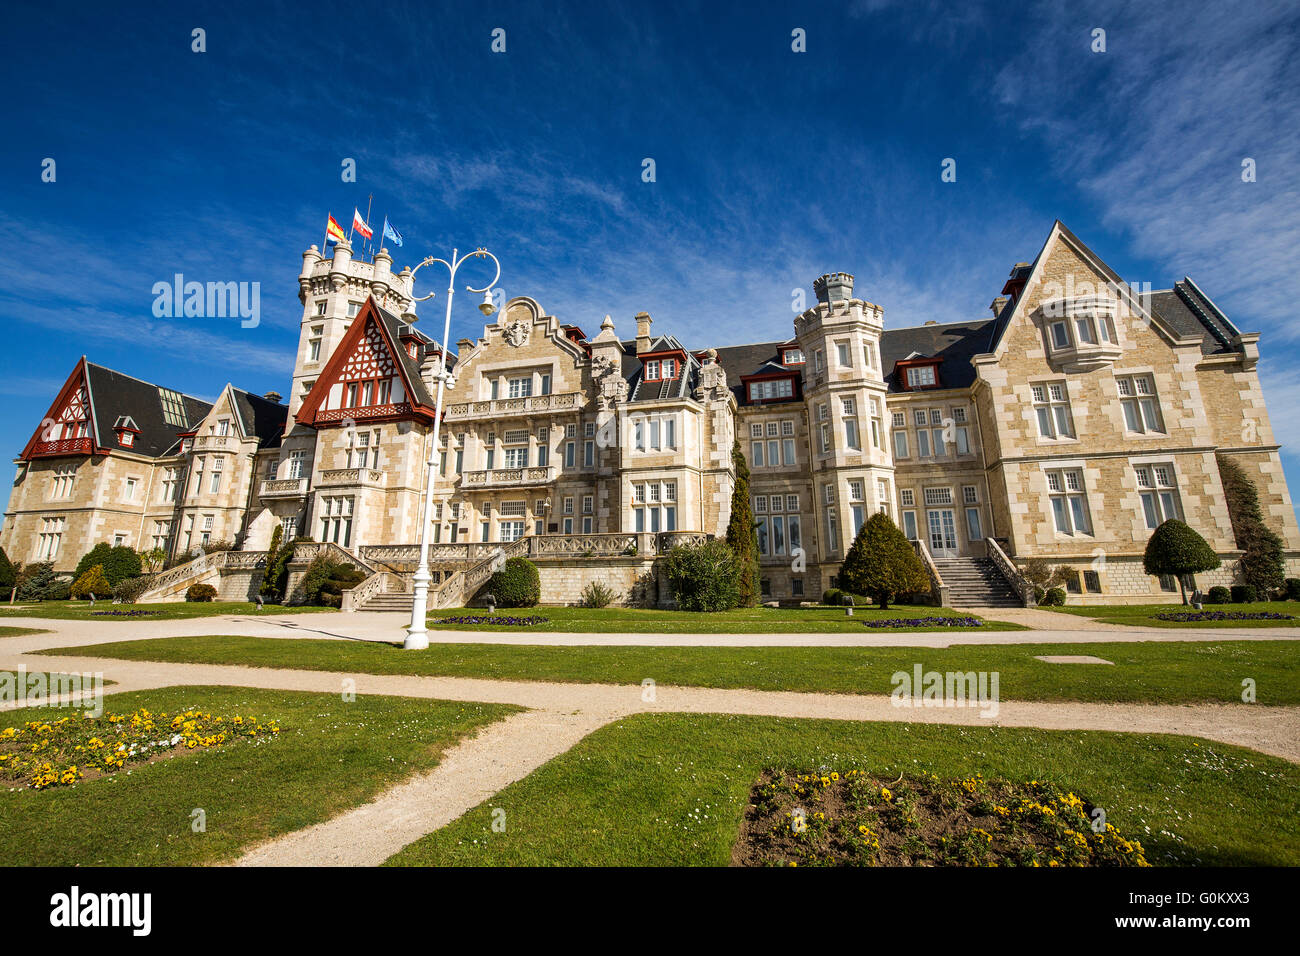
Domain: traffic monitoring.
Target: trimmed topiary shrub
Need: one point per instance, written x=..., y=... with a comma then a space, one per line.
x=200, y=592
x=129, y=591
x=1244, y=594
x=92, y=582
x=8, y=574
x=1174, y=548
x=276, y=576
x=595, y=595
x=517, y=584
x=703, y=576
x=742, y=532
x=324, y=581
x=882, y=563
x=1055, y=597
x=118, y=563
x=1218, y=595
x=1262, y=563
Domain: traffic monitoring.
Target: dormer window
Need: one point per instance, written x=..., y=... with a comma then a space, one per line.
x=792, y=357
x=126, y=431
x=652, y=370
x=771, y=389
x=918, y=373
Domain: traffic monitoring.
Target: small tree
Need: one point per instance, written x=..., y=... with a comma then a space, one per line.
x=92, y=582
x=742, y=535
x=703, y=576
x=882, y=563
x=517, y=584
x=1262, y=563
x=117, y=562
x=151, y=561
x=8, y=574
x=36, y=581
x=277, y=568
x=1177, y=549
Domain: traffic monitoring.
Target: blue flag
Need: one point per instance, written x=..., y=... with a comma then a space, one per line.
x=390, y=232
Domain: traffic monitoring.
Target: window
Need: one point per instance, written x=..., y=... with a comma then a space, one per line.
x=173, y=408
x=907, y=497
x=1137, y=394
x=1159, y=493
x=845, y=354
x=313, y=343
x=1052, y=408
x=882, y=495
x=771, y=388
x=567, y=505
x=791, y=502
x=297, y=464
x=869, y=355
x=321, y=306
x=654, y=506
x=353, y=309
x=1092, y=582
x=900, y=444
x=588, y=454
x=922, y=443
x=129, y=488
x=172, y=479
x=787, y=451
x=587, y=504
x=1069, y=503
x=909, y=525
x=336, y=520
x=546, y=383
x=963, y=440
x=198, y=475
x=970, y=494
x=921, y=376
x=938, y=496
x=973, y=530
x=787, y=427
x=215, y=484
x=792, y=357
x=520, y=388
x=570, y=453
x=819, y=360
x=47, y=545
x=876, y=424
x=652, y=370
x=62, y=481
x=162, y=532
x=756, y=454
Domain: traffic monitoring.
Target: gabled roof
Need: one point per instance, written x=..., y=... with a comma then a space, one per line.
x=388, y=324
x=953, y=344
x=259, y=417
x=680, y=387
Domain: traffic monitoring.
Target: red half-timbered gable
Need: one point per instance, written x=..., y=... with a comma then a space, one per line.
x=68, y=427
x=365, y=380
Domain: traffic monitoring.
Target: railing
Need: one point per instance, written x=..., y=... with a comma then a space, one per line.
x=504, y=407
x=939, y=591
x=284, y=488
x=1019, y=583
x=614, y=544
x=509, y=477
x=304, y=552
x=214, y=441
x=63, y=446
x=590, y=544
x=351, y=476
x=381, y=582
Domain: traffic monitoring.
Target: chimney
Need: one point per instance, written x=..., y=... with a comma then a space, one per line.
x=997, y=305
x=275, y=397
x=833, y=287
x=642, y=332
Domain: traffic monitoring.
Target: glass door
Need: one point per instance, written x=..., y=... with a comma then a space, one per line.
x=943, y=532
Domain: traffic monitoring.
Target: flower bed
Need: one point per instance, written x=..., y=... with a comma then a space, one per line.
x=46, y=753
x=925, y=622
x=851, y=818
x=502, y=619
x=138, y=613
x=1189, y=616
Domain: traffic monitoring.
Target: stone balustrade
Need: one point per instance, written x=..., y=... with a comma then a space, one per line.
x=284, y=488
x=507, y=407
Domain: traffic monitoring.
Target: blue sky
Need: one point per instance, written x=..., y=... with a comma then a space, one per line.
x=771, y=166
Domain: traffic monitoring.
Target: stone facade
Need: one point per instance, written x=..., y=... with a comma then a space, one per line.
x=1063, y=426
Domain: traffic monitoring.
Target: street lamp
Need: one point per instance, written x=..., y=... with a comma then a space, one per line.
x=417, y=637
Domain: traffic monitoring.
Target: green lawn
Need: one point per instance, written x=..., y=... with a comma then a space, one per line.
x=329, y=757
x=1146, y=672
x=1143, y=615
x=172, y=610
x=750, y=620
x=670, y=790
x=20, y=631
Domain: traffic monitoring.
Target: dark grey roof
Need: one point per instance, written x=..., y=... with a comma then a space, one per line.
x=261, y=417
x=680, y=387
x=412, y=367
x=114, y=395
x=954, y=343
x=1187, y=310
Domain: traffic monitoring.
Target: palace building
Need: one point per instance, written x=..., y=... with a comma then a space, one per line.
x=1065, y=425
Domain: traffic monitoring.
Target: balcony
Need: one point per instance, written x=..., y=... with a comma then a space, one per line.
x=516, y=407
x=352, y=477
x=284, y=488
x=62, y=446
x=507, y=478
x=214, y=442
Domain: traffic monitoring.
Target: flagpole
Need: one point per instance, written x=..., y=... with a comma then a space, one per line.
x=328, y=216
x=370, y=201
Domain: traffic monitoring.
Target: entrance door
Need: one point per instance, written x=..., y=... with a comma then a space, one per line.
x=943, y=533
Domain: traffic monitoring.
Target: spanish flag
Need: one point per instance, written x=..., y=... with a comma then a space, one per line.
x=333, y=231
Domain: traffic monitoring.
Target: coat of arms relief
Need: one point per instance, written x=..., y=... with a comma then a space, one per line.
x=516, y=333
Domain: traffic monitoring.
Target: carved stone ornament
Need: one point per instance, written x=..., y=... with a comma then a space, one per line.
x=516, y=333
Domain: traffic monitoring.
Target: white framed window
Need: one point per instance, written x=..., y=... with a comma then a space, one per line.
x=62, y=479
x=1052, y=410
x=921, y=376
x=1137, y=396
x=588, y=504
x=938, y=496
x=654, y=506
x=51, y=537
x=760, y=505
x=521, y=387
x=511, y=509
x=770, y=388
x=787, y=427
x=129, y=487
x=336, y=519
x=970, y=494
x=218, y=465
x=900, y=444
x=845, y=354
x=906, y=497
x=1069, y=502
x=882, y=495
x=791, y=502
x=162, y=533
x=1158, y=490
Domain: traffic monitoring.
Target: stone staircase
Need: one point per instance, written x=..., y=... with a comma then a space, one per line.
x=391, y=602
x=976, y=582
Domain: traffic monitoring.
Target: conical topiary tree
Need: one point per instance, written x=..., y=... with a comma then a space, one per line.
x=1175, y=548
x=1262, y=563
x=742, y=535
x=8, y=574
x=882, y=563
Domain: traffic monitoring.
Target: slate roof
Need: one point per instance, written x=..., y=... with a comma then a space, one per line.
x=261, y=417
x=953, y=343
x=113, y=395
x=680, y=387
x=1190, y=312
x=419, y=392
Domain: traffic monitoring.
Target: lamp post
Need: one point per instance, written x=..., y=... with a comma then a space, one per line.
x=417, y=637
